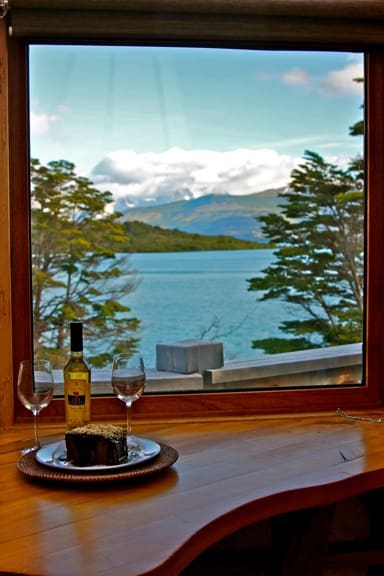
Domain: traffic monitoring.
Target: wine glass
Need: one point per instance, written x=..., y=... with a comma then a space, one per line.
x=128, y=381
x=35, y=391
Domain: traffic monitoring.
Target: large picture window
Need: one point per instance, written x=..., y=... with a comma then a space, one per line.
x=200, y=194
x=312, y=148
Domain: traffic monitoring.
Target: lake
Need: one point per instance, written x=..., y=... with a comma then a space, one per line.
x=188, y=295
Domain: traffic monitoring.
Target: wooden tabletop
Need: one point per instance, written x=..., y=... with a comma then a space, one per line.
x=229, y=474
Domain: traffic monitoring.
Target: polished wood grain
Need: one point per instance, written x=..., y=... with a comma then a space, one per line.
x=230, y=473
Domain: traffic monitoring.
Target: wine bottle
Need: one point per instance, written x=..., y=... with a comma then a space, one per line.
x=77, y=382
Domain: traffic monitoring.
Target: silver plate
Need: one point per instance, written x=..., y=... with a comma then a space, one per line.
x=54, y=455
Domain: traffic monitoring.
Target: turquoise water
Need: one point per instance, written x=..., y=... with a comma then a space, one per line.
x=180, y=295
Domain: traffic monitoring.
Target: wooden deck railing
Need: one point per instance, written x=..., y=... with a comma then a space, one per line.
x=319, y=367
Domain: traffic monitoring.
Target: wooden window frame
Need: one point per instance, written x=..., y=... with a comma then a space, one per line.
x=15, y=269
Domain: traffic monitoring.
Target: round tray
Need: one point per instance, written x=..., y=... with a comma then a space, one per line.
x=30, y=467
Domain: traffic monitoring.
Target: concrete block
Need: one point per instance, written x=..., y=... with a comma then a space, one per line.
x=188, y=356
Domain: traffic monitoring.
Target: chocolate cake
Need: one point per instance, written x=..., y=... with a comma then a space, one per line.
x=103, y=444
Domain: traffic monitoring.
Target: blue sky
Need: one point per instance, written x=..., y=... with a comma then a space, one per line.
x=150, y=122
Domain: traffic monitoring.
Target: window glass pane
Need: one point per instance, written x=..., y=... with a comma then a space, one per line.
x=213, y=196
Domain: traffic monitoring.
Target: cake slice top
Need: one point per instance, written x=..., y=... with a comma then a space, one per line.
x=109, y=431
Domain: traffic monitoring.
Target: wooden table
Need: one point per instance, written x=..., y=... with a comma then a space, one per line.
x=229, y=474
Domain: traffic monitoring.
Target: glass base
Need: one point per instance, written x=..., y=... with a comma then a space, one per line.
x=30, y=449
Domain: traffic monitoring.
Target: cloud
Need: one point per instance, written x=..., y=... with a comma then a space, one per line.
x=296, y=76
x=342, y=81
x=42, y=123
x=178, y=173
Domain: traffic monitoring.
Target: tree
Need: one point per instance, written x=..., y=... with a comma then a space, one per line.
x=77, y=271
x=319, y=259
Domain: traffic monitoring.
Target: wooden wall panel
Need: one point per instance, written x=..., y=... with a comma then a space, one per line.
x=6, y=389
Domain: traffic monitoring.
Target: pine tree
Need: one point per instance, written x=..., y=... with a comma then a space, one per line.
x=319, y=260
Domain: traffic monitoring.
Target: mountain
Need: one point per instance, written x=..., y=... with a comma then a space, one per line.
x=211, y=215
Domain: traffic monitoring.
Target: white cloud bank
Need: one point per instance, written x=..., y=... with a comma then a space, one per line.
x=176, y=173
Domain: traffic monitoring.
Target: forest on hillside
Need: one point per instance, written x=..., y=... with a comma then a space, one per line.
x=143, y=237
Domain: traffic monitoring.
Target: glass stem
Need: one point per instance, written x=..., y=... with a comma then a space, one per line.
x=36, y=429
x=129, y=426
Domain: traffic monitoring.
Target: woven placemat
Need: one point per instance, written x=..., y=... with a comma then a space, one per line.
x=30, y=467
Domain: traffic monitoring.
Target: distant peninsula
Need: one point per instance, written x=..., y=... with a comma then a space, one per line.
x=143, y=237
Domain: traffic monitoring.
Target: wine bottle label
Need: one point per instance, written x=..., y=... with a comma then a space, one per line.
x=76, y=399
x=77, y=392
